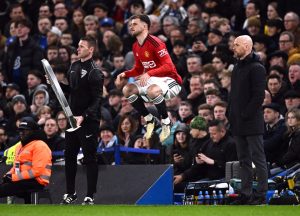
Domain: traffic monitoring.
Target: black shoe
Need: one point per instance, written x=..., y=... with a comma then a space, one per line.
x=241, y=200
x=69, y=199
x=255, y=200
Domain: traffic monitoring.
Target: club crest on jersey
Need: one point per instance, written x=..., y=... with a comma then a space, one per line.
x=83, y=73
x=147, y=54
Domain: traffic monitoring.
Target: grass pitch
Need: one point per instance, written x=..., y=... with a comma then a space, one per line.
x=130, y=210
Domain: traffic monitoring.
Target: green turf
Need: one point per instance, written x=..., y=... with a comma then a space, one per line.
x=117, y=210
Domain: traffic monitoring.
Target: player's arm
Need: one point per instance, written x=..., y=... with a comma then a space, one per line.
x=137, y=69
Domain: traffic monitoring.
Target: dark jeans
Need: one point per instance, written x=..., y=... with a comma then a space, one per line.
x=250, y=149
x=20, y=189
x=86, y=138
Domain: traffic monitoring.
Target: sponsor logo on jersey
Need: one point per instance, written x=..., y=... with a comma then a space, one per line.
x=149, y=64
x=162, y=52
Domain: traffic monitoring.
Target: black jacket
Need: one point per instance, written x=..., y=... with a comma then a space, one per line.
x=86, y=87
x=30, y=58
x=186, y=163
x=56, y=143
x=273, y=140
x=196, y=102
x=246, y=97
x=196, y=145
x=291, y=152
x=220, y=152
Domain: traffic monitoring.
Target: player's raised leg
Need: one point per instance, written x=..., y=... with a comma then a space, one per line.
x=131, y=92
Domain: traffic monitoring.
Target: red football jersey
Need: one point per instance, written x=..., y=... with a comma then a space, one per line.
x=153, y=58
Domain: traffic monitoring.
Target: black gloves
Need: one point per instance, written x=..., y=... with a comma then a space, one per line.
x=6, y=178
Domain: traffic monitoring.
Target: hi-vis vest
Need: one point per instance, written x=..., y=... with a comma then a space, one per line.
x=10, y=154
x=32, y=161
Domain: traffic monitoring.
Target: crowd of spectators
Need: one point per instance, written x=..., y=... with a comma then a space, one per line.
x=199, y=36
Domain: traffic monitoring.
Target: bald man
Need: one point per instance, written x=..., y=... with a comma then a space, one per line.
x=246, y=120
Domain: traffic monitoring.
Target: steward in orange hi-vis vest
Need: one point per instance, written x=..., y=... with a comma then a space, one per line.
x=32, y=161
x=31, y=170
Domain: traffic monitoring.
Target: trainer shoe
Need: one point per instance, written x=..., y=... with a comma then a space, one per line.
x=150, y=126
x=165, y=132
x=69, y=199
x=88, y=201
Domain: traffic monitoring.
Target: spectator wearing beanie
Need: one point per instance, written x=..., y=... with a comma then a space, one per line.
x=292, y=99
x=19, y=99
x=180, y=152
x=19, y=109
x=10, y=90
x=273, y=29
x=278, y=58
x=214, y=38
x=198, y=131
x=107, y=139
x=53, y=36
x=274, y=131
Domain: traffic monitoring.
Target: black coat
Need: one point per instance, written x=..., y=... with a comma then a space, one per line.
x=30, y=58
x=186, y=163
x=196, y=102
x=56, y=143
x=291, y=152
x=196, y=145
x=273, y=141
x=246, y=97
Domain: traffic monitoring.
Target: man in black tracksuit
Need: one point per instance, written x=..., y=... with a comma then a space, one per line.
x=86, y=84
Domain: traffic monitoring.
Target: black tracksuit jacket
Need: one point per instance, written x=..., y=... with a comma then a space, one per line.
x=86, y=88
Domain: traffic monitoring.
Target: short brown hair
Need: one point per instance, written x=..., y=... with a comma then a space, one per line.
x=221, y=104
x=205, y=106
x=213, y=92
x=144, y=18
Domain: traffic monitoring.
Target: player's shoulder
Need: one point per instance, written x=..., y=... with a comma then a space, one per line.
x=153, y=40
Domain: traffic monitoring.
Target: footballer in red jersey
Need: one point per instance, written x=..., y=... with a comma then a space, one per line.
x=156, y=78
